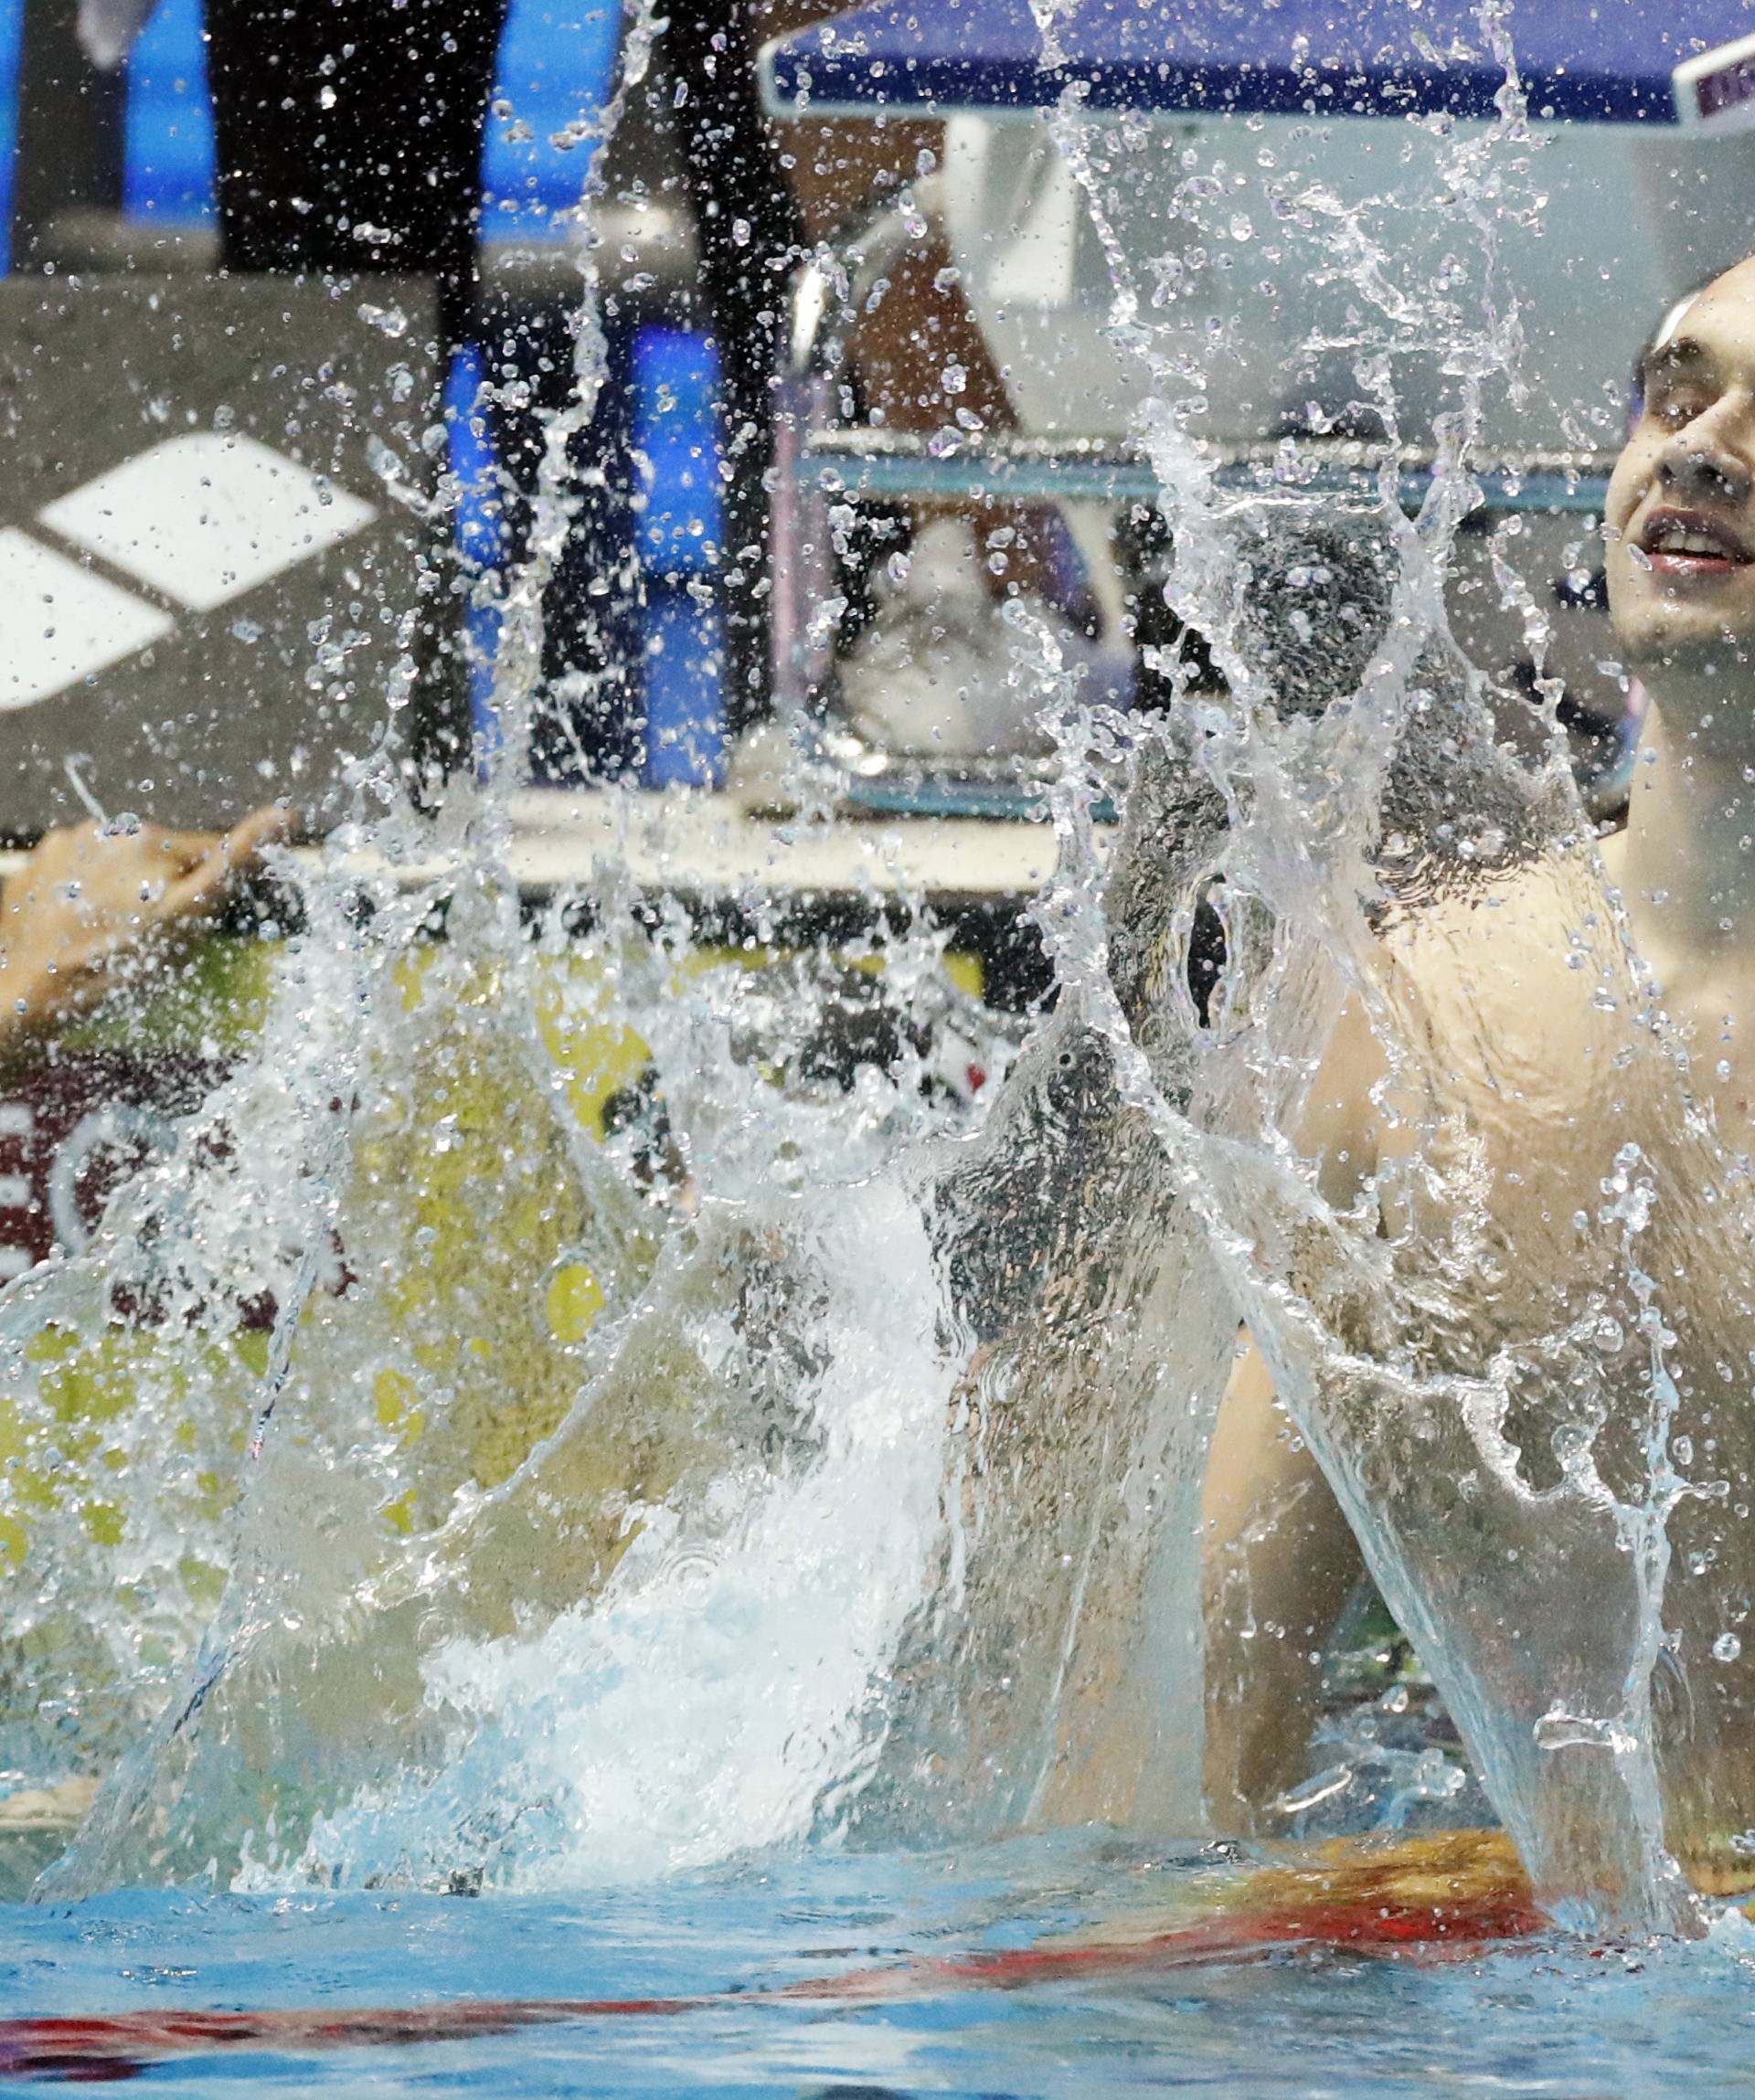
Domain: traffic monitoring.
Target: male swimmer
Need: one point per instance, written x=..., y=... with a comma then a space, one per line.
x=1524, y=1059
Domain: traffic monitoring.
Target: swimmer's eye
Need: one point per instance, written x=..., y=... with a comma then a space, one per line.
x=1676, y=408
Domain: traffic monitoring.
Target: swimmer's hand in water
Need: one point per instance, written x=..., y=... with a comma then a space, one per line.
x=91, y=894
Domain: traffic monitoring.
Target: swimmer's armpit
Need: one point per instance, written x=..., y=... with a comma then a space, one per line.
x=87, y=895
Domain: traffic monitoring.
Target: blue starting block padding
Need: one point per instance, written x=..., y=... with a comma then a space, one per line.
x=479, y=532
x=682, y=680
x=1592, y=62
x=674, y=448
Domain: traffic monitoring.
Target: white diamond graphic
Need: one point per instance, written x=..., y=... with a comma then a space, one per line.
x=59, y=623
x=207, y=516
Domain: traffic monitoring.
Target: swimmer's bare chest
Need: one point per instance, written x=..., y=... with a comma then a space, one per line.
x=1593, y=1134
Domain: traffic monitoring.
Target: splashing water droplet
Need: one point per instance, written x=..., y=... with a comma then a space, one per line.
x=1557, y=1730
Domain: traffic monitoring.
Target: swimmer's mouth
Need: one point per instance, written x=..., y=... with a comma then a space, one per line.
x=1691, y=543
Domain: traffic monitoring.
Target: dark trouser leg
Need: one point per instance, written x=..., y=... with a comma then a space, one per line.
x=750, y=235
x=349, y=135
x=589, y=713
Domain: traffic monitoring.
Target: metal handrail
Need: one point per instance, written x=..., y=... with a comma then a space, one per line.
x=880, y=463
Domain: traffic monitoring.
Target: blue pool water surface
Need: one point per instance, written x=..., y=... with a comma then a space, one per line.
x=1553, y=2018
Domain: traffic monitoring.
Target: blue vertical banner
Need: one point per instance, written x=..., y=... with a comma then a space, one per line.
x=168, y=175
x=12, y=28
x=555, y=75
x=677, y=449
x=478, y=529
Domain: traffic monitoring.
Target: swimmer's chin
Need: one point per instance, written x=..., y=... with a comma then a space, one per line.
x=1667, y=645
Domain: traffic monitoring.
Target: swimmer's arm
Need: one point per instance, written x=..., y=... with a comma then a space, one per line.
x=1277, y=1562
x=1278, y=1558
x=1340, y=1125
x=84, y=896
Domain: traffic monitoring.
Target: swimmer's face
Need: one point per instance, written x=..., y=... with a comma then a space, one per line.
x=1680, y=518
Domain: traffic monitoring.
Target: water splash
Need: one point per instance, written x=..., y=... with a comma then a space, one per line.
x=865, y=1502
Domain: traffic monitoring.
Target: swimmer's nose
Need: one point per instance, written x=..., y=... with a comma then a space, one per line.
x=1709, y=459
x=1697, y=471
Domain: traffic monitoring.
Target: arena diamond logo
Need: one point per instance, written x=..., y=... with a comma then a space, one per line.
x=192, y=524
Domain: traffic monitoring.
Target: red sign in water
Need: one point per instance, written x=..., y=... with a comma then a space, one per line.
x=72, y=1129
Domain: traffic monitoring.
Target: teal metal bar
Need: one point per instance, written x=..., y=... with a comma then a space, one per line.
x=1044, y=478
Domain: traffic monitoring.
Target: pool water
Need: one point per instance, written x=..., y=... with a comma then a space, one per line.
x=1550, y=2016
